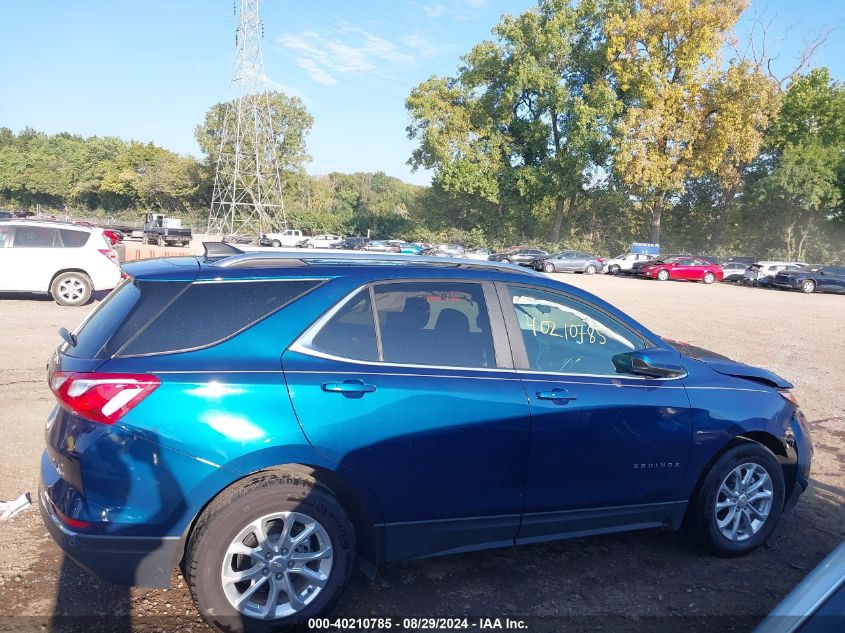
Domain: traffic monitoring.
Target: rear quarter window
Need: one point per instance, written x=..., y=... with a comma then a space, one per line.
x=155, y=317
x=207, y=313
x=74, y=239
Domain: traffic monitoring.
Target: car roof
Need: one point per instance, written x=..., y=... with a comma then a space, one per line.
x=224, y=262
x=50, y=223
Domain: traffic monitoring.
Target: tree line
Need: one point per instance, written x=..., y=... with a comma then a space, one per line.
x=581, y=123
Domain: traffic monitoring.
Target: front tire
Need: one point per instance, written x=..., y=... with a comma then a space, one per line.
x=71, y=289
x=663, y=275
x=505, y=260
x=614, y=270
x=161, y=241
x=270, y=552
x=276, y=243
x=808, y=287
x=740, y=500
x=549, y=268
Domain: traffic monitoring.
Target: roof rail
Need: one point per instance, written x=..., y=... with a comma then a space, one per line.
x=300, y=257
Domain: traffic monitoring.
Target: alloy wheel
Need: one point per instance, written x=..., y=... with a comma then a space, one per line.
x=72, y=289
x=277, y=565
x=663, y=275
x=808, y=286
x=590, y=270
x=550, y=268
x=743, y=502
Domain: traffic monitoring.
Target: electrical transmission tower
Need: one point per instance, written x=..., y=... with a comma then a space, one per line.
x=247, y=197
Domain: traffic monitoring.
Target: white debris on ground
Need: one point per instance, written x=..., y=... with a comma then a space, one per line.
x=8, y=509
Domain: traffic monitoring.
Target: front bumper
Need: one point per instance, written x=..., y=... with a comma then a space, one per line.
x=121, y=560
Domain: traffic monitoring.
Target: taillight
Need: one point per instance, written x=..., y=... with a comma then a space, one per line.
x=103, y=398
x=600, y=259
x=110, y=254
x=789, y=396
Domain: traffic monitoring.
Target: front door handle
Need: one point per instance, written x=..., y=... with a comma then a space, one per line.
x=559, y=395
x=349, y=386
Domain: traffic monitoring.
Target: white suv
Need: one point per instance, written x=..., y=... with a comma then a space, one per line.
x=624, y=263
x=67, y=261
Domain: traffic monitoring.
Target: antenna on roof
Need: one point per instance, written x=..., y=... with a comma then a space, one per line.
x=220, y=249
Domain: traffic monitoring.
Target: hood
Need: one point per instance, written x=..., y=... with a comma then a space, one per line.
x=728, y=367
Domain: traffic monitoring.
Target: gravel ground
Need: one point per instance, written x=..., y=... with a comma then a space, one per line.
x=646, y=581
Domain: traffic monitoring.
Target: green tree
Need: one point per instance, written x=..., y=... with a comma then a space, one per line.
x=686, y=115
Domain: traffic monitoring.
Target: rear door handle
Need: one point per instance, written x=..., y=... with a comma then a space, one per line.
x=559, y=395
x=349, y=386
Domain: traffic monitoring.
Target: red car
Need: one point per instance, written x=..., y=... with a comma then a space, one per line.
x=689, y=268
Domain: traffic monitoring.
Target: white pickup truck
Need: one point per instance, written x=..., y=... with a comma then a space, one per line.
x=291, y=237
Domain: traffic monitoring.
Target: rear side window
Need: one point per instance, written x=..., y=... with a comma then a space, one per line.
x=208, y=313
x=35, y=237
x=73, y=239
x=434, y=323
x=351, y=332
x=5, y=235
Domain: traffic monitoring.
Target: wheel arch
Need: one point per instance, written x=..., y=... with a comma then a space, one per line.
x=761, y=438
x=368, y=536
x=68, y=270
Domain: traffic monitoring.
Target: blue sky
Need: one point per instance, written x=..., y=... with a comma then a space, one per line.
x=150, y=70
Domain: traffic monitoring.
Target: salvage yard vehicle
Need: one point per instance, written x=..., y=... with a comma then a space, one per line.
x=521, y=256
x=289, y=237
x=570, y=261
x=321, y=241
x=165, y=231
x=733, y=271
x=811, y=279
x=328, y=407
x=763, y=273
x=684, y=268
x=67, y=261
x=623, y=263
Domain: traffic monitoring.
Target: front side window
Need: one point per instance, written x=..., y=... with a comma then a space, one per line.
x=564, y=335
x=34, y=237
x=5, y=236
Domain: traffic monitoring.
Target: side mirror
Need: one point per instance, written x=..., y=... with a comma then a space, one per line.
x=655, y=363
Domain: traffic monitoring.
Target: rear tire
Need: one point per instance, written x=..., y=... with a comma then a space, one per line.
x=709, y=278
x=505, y=260
x=161, y=241
x=276, y=243
x=745, y=482
x=280, y=503
x=808, y=287
x=71, y=289
x=590, y=270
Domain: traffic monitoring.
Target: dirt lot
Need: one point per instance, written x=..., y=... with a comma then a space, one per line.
x=643, y=581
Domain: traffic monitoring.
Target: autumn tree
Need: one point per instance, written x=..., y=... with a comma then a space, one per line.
x=687, y=115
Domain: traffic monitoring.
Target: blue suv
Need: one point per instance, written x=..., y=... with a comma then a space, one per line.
x=263, y=421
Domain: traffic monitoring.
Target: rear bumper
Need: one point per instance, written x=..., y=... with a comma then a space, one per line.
x=121, y=560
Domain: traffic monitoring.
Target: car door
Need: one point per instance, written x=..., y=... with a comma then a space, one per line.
x=606, y=449
x=35, y=255
x=422, y=403
x=831, y=279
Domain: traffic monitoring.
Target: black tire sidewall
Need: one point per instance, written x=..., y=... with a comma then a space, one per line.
x=204, y=556
x=85, y=279
x=706, y=501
